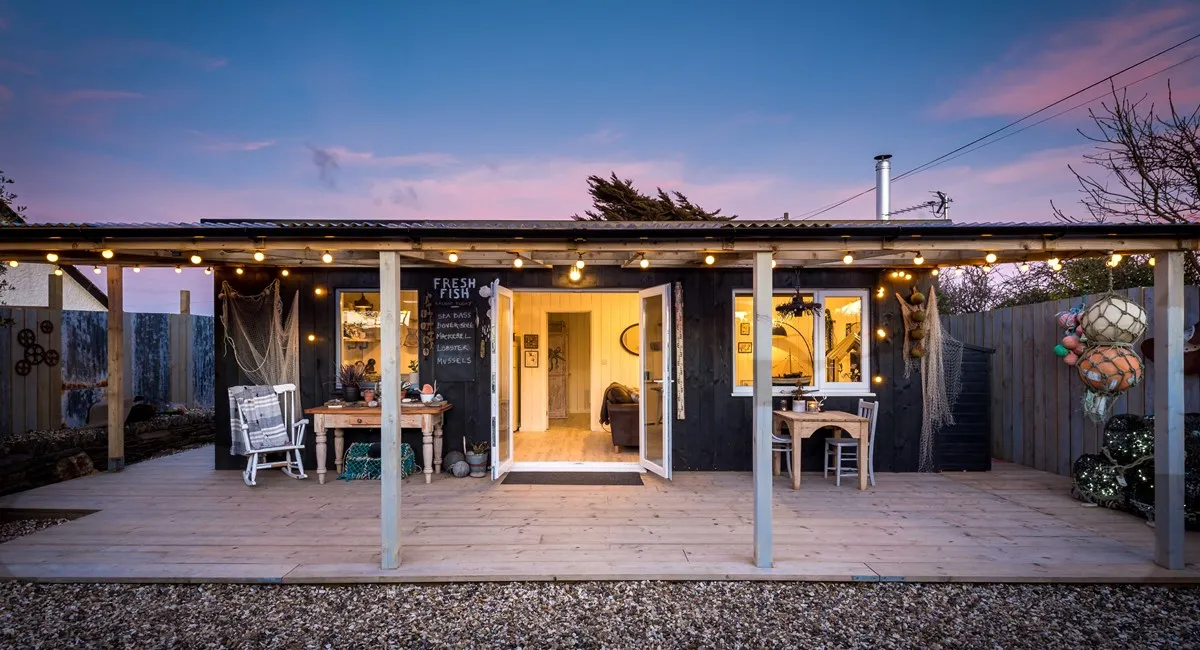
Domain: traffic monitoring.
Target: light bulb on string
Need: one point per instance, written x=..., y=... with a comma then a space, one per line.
x=518, y=262
x=710, y=260
x=1053, y=261
x=881, y=333
x=208, y=270
x=1024, y=267
x=773, y=262
x=1151, y=262
x=935, y=272
x=1115, y=259
x=574, y=274
x=1057, y=266
x=919, y=259
x=195, y=259
x=452, y=258
x=137, y=268
x=327, y=257
x=259, y=256
x=14, y=263
x=107, y=254
x=96, y=270
x=51, y=257
x=57, y=271
x=239, y=270
x=579, y=263
x=645, y=263
x=285, y=272
x=178, y=269
x=990, y=258
x=986, y=268
x=848, y=259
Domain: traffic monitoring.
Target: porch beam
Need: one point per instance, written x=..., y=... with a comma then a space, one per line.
x=1168, y=411
x=115, y=393
x=763, y=516
x=390, y=395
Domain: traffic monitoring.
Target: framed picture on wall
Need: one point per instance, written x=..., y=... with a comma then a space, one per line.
x=745, y=347
x=531, y=358
x=531, y=342
x=744, y=329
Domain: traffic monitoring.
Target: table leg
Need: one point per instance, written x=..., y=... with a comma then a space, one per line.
x=427, y=446
x=862, y=458
x=437, y=446
x=796, y=458
x=339, y=448
x=321, y=450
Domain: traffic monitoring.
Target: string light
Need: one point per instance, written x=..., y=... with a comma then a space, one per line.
x=208, y=270
x=239, y=270
x=579, y=263
x=452, y=258
x=1024, y=267
x=312, y=337
x=574, y=274
x=285, y=273
x=195, y=259
x=137, y=268
x=518, y=262
x=319, y=291
x=990, y=258
x=107, y=254
x=919, y=259
x=178, y=269
x=773, y=262
x=848, y=259
x=879, y=293
x=1053, y=261
x=1151, y=261
x=96, y=270
x=1057, y=266
x=935, y=272
x=51, y=257
x=987, y=268
x=908, y=276
x=881, y=333
x=645, y=263
x=57, y=271
x=327, y=257
x=878, y=379
x=259, y=256
x=14, y=263
x=710, y=260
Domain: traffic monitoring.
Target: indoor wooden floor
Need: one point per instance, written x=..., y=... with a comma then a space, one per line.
x=570, y=440
x=177, y=519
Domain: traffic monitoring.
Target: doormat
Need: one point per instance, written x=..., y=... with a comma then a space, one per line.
x=573, y=478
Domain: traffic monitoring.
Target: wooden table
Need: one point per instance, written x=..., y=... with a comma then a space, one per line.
x=802, y=425
x=426, y=417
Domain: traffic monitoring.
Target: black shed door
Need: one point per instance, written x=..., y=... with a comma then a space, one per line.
x=966, y=446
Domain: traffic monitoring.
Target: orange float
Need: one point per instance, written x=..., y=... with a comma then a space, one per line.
x=1109, y=369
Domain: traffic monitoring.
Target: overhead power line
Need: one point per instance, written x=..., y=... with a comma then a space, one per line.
x=977, y=141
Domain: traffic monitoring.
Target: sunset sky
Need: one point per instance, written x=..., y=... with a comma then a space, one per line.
x=157, y=111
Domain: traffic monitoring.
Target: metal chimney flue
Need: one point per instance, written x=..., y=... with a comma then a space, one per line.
x=883, y=180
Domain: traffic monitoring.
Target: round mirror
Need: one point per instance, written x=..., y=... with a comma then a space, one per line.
x=631, y=339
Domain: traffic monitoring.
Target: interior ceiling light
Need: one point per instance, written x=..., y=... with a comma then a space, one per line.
x=362, y=304
x=51, y=257
x=710, y=260
x=259, y=256
x=919, y=259
x=848, y=259
x=518, y=262
x=990, y=258
x=195, y=259
x=453, y=257
x=106, y=254
x=574, y=274
x=96, y=270
x=327, y=258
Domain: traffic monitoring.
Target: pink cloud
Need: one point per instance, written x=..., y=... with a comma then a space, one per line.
x=218, y=144
x=604, y=136
x=344, y=156
x=1036, y=72
x=91, y=95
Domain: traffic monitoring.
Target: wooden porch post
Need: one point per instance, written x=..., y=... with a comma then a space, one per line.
x=1168, y=410
x=763, y=517
x=116, y=368
x=390, y=395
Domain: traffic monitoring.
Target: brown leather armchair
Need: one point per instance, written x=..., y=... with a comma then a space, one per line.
x=620, y=412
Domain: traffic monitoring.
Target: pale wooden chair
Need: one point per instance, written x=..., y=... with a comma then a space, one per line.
x=841, y=454
x=781, y=446
x=292, y=449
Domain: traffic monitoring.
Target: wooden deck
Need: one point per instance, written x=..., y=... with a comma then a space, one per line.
x=175, y=519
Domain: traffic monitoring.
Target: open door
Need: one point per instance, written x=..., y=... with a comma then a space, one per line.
x=502, y=380
x=655, y=360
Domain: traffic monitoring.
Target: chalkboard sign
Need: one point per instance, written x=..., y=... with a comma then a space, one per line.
x=454, y=341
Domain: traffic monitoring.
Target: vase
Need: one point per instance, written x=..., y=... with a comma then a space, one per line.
x=351, y=393
x=478, y=463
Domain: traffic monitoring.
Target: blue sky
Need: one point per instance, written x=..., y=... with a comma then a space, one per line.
x=152, y=111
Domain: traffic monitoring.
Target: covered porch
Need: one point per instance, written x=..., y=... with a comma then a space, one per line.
x=176, y=519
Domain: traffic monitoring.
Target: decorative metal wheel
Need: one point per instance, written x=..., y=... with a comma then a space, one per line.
x=52, y=358
x=22, y=367
x=46, y=327
x=26, y=337
x=35, y=354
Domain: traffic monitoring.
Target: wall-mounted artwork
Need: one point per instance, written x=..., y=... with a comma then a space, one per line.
x=745, y=347
x=531, y=358
x=531, y=341
x=744, y=329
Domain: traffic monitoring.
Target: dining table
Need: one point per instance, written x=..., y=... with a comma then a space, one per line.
x=803, y=424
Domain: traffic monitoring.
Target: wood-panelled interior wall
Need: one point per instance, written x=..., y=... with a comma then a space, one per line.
x=579, y=362
x=610, y=314
x=1036, y=412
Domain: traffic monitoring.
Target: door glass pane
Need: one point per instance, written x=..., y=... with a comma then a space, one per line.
x=653, y=385
x=843, y=338
x=792, y=359
x=504, y=349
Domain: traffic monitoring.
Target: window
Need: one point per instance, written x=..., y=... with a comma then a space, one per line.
x=821, y=347
x=358, y=321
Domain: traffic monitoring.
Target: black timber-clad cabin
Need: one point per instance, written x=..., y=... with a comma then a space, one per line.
x=715, y=432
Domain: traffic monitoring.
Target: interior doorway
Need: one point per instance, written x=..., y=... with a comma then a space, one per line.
x=569, y=352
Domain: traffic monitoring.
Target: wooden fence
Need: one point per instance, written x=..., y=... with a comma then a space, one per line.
x=1037, y=419
x=170, y=359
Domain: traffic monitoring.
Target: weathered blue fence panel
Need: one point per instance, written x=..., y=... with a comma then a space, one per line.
x=203, y=371
x=84, y=363
x=150, y=336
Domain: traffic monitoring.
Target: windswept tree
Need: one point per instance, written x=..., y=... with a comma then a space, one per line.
x=614, y=199
x=10, y=213
x=1151, y=165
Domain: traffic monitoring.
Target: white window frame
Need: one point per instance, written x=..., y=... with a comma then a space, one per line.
x=823, y=388
x=337, y=308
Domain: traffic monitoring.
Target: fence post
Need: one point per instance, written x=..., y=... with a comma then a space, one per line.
x=55, y=393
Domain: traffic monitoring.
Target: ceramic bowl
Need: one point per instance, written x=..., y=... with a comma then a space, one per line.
x=426, y=398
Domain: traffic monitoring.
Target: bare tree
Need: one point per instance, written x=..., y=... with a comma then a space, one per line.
x=1152, y=163
x=967, y=290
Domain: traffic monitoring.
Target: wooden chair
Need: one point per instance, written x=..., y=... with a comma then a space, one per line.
x=781, y=445
x=293, y=464
x=842, y=453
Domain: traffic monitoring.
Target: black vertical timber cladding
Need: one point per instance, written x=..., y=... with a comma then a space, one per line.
x=714, y=435
x=966, y=445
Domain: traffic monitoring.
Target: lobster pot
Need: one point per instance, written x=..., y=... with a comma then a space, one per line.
x=1113, y=319
x=1109, y=369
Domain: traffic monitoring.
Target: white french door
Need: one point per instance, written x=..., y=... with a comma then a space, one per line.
x=502, y=379
x=654, y=417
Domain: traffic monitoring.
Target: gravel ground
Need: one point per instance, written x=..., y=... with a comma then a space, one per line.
x=16, y=528
x=598, y=615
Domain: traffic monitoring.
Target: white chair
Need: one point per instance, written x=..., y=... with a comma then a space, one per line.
x=293, y=464
x=782, y=445
x=841, y=454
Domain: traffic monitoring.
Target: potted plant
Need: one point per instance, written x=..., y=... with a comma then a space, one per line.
x=351, y=376
x=414, y=377
x=477, y=456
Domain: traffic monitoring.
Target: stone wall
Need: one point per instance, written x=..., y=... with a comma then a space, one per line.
x=43, y=457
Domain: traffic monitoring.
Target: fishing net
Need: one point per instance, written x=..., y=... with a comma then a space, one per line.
x=940, y=366
x=265, y=345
